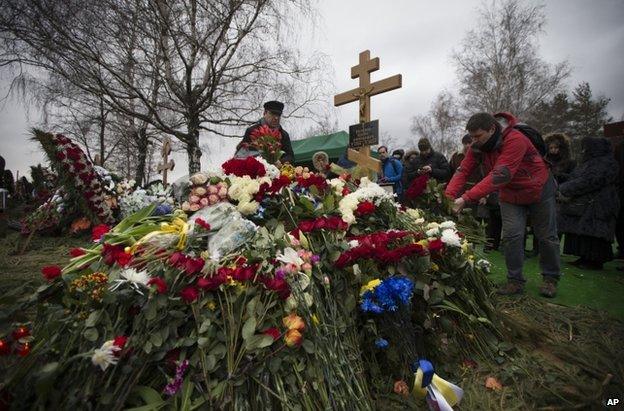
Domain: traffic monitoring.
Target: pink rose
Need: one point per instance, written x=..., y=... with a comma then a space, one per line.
x=194, y=207
x=194, y=199
x=203, y=202
x=223, y=192
x=213, y=190
x=186, y=206
x=199, y=191
x=213, y=199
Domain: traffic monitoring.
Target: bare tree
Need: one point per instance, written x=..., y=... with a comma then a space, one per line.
x=442, y=125
x=498, y=65
x=212, y=61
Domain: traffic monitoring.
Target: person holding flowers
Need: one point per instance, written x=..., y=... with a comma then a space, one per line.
x=268, y=125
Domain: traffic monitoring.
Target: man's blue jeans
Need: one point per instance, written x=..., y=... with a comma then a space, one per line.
x=544, y=222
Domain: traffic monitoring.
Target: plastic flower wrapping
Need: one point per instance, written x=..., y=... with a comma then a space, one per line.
x=268, y=288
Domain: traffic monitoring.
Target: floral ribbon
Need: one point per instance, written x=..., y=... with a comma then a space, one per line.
x=177, y=226
x=440, y=394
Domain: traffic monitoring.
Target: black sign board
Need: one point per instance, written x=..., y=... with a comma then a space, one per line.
x=364, y=134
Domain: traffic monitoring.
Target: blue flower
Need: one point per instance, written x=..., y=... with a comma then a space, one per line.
x=163, y=209
x=381, y=343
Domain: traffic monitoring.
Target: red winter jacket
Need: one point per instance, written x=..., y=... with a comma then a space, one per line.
x=515, y=168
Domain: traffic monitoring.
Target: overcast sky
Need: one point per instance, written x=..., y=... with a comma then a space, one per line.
x=414, y=38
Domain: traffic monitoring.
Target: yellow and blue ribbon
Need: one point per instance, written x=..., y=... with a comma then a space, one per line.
x=440, y=394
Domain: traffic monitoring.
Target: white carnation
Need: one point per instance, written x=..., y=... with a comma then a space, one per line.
x=433, y=232
x=450, y=237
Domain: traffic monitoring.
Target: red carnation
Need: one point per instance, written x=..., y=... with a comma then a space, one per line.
x=273, y=332
x=60, y=156
x=77, y=252
x=120, y=341
x=365, y=208
x=123, y=259
x=189, y=294
x=50, y=272
x=98, y=231
x=436, y=245
x=161, y=284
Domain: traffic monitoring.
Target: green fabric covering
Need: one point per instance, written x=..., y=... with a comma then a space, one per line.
x=333, y=144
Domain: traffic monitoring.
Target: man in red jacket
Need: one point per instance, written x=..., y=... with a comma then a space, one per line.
x=525, y=186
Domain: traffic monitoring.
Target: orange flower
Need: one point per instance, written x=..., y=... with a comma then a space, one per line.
x=293, y=338
x=293, y=322
x=400, y=387
x=79, y=225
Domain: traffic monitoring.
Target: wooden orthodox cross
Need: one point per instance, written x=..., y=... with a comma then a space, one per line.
x=165, y=166
x=363, y=94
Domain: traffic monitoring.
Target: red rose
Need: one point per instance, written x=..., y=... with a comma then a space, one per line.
x=23, y=350
x=194, y=265
x=244, y=273
x=77, y=252
x=20, y=333
x=306, y=226
x=177, y=259
x=242, y=167
x=98, y=231
x=203, y=224
x=161, y=284
x=273, y=332
x=110, y=252
x=50, y=272
x=212, y=283
x=345, y=191
x=279, y=183
x=120, y=341
x=60, y=156
x=365, y=208
x=5, y=348
x=417, y=187
x=189, y=294
x=320, y=223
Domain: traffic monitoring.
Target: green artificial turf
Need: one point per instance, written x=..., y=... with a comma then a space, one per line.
x=602, y=290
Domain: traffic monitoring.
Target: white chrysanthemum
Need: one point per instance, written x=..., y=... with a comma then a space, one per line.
x=450, y=237
x=483, y=265
x=289, y=256
x=433, y=225
x=433, y=232
x=105, y=355
x=448, y=224
x=136, y=277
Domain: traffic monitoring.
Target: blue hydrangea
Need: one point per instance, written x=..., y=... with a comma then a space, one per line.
x=163, y=209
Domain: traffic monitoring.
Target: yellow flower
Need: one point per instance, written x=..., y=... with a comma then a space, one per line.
x=464, y=246
x=370, y=286
x=315, y=320
x=424, y=243
x=211, y=305
x=434, y=267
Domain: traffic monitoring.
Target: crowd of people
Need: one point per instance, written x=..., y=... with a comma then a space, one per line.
x=518, y=183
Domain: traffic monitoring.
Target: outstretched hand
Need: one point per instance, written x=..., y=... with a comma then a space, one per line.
x=459, y=205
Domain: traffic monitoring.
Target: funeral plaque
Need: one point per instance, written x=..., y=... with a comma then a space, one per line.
x=364, y=134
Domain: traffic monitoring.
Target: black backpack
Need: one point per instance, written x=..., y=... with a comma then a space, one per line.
x=534, y=136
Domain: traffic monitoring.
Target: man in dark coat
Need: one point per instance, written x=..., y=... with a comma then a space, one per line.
x=559, y=157
x=590, y=205
x=431, y=162
x=271, y=117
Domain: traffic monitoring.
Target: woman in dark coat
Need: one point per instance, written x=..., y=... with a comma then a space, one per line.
x=590, y=205
x=559, y=157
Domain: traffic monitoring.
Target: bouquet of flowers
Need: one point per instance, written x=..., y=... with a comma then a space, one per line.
x=268, y=141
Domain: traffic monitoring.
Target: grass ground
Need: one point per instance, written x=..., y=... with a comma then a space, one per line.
x=559, y=354
x=602, y=290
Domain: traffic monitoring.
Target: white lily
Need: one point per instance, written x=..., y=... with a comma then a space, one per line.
x=290, y=256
